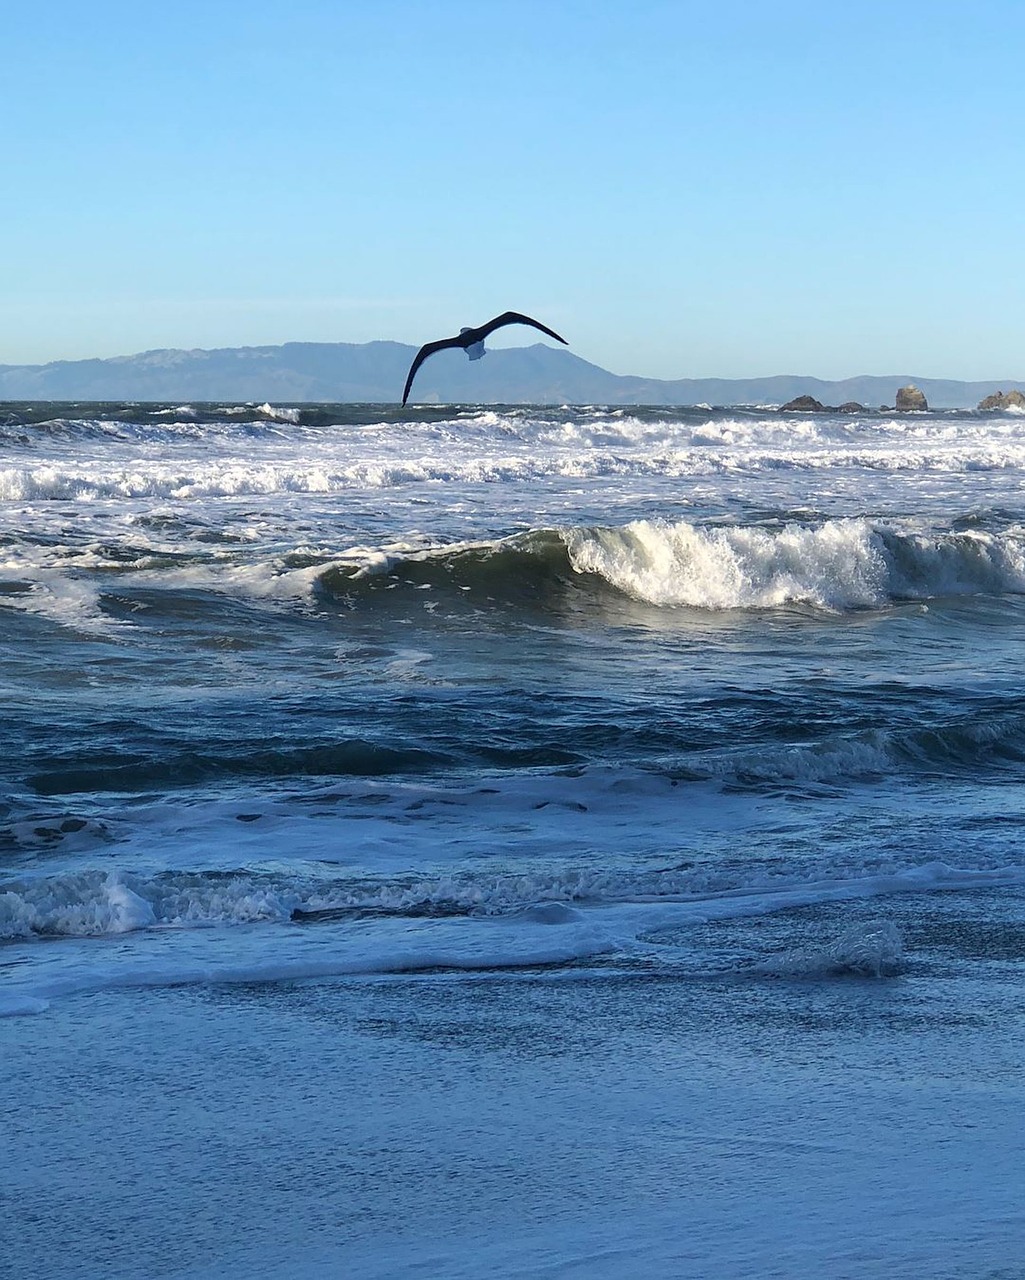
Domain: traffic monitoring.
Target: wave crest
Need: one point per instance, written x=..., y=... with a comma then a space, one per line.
x=838, y=565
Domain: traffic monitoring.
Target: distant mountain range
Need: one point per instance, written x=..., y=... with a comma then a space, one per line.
x=375, y=371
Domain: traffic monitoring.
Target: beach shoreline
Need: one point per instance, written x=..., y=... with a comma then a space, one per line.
x=568, y=1123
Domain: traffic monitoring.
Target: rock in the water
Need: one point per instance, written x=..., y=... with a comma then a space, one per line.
x=808, y=404
x=909, y=399
x=1003, y=400
x=803, y=404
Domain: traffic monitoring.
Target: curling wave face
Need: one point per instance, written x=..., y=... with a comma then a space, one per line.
x=841, y=564
x=836, y=565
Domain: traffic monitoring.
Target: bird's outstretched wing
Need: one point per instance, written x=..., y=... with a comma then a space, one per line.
x=514, y=317
x=428, y=349
x=470, y=336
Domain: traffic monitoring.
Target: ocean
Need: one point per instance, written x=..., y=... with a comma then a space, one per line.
x=511, y=841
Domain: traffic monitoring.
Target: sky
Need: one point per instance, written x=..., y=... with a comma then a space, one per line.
x=682, y=189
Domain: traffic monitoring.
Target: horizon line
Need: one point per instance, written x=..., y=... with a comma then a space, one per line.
x=271, y=346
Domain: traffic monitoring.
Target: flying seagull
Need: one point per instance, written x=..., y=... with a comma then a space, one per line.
x=472, y=342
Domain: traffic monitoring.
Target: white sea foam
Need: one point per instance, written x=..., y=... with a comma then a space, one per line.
x=353, y=962
x=181, y=411
x=95, y=903
x=546, y=932
x=870, y=950
x=215, y=479
x=79, y=904
x=69, y=602
x=840, y=564
x=205, y=461
x=830, y=760
x=278, y=414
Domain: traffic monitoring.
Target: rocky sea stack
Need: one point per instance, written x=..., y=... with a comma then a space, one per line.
x=911, y=400
x=808, y=404
x=802, y=404
x=1003, y=400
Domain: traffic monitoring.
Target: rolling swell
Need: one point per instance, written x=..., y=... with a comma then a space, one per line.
x=982, y=747
x=533, y=569
x=837, y=737
x=126, y=772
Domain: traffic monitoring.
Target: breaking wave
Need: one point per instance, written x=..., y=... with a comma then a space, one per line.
x=993, y=745
x=237, y=477
x=98, y=903
x=871, y=950
x=839, y=565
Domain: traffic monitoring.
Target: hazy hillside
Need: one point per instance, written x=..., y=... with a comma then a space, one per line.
x=376, y=371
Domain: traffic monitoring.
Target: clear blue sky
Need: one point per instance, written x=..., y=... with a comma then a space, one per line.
x=682, y=189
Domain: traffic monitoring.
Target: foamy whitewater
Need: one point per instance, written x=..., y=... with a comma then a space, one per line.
x=482, y=842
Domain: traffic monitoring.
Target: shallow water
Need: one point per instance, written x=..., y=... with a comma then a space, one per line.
x=592, y=1121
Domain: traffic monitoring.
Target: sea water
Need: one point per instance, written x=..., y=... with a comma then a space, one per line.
x=346, y=748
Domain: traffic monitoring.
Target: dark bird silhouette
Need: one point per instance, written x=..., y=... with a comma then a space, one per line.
x=472, y=342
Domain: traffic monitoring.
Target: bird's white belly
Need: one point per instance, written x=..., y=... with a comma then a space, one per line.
x=475, y=350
